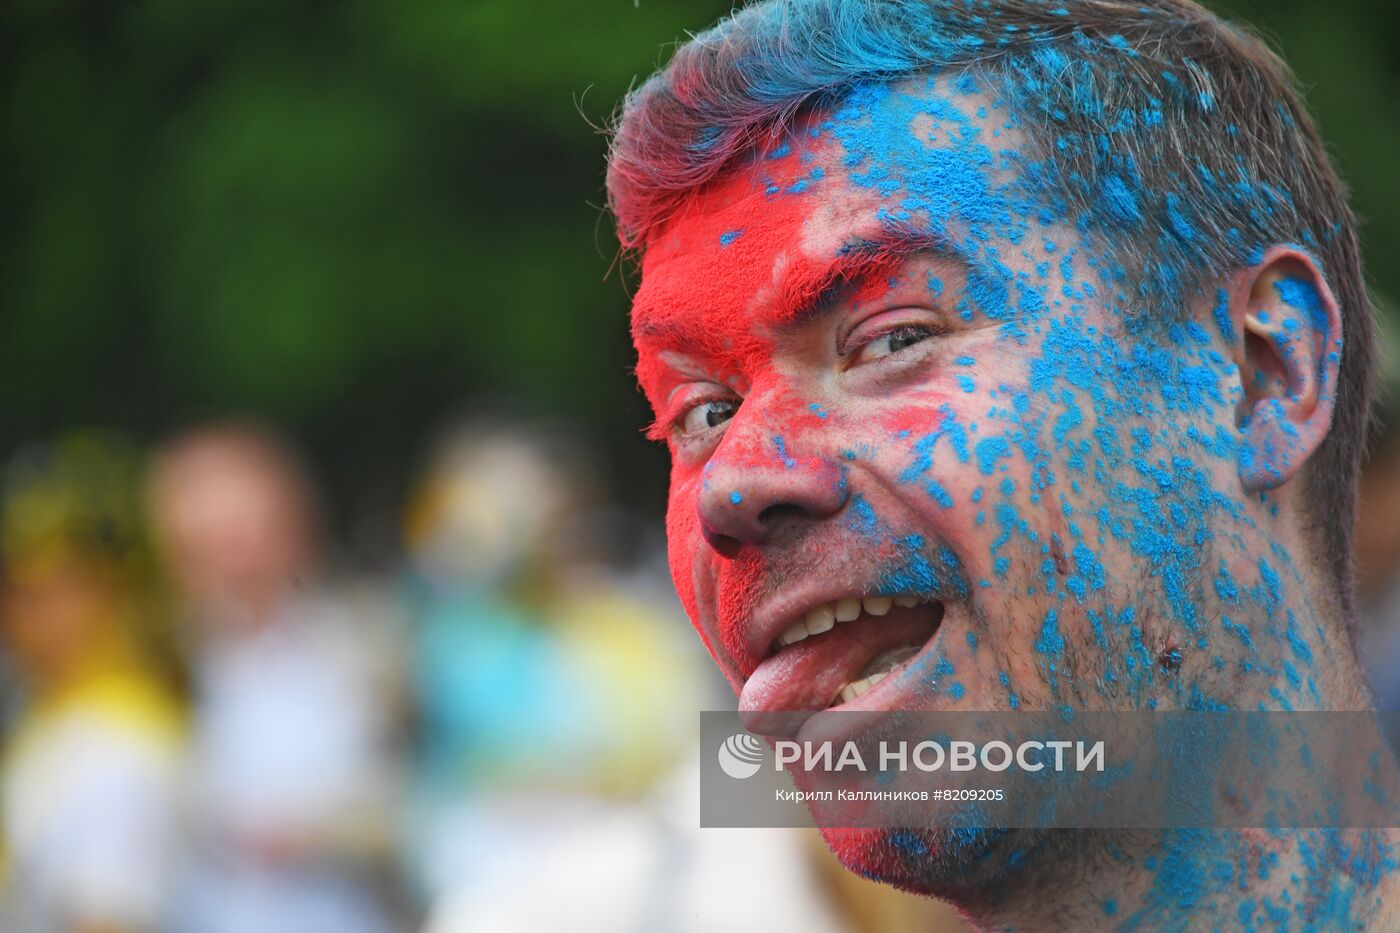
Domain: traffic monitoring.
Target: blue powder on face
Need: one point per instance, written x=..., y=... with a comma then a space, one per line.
x=1222, y=315
x=1051, y=642
x=1273, y=587
x=863, y=519
x=729, y=237
x=909, y=844
x=924, y=448
x=939, y=494
x=736, y=498
x=788, y=461
x=966, y=384
x=989, y=451
x=914, y=574
x=1239, y=631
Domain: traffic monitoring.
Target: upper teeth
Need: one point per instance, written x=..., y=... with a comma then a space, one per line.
x=824, y=617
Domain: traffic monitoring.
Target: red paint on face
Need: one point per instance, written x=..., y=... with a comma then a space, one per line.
x=919, y=419
x=735, y=256
x=749, y=250
x=699, y=293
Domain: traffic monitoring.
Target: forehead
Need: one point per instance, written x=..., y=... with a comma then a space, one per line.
x=929, y=157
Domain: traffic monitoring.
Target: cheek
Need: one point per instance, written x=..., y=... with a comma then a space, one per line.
x=959, y=474
x=716, y=595
x=683, y=542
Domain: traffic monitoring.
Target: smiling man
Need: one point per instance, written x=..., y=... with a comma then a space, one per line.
x=1012, y=355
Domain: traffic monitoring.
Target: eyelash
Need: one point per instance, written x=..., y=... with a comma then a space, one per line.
x=669, y=426
x=930, y=330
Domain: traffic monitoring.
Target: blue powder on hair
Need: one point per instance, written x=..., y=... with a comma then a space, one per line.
x=1120, y=200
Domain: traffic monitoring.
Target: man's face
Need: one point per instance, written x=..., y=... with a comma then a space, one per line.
x=920, y=459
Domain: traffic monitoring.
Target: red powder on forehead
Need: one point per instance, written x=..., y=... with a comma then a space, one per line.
x=713, y=266
x=737, y=256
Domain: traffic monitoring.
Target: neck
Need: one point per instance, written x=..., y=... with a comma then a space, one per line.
x=1306, y=642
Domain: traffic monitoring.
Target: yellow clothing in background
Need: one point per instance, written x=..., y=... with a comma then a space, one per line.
x=90, y=785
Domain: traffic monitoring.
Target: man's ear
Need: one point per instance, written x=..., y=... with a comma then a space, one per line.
x=1286, y=335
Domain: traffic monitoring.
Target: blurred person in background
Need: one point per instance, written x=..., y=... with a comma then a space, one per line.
x=552, y=685
x=92, y=766
x=291, y=777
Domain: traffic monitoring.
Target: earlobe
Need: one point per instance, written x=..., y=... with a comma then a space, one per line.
x=1287, y=342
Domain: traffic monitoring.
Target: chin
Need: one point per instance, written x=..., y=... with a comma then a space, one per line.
x=951, y=864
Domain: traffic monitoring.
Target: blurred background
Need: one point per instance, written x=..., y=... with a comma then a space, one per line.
x=332, y=580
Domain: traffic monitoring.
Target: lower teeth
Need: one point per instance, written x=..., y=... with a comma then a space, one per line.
x=874, y=671
x=886, y=661
x=854, y=690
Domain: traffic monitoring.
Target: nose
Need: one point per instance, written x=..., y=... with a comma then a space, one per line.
x=757, y=484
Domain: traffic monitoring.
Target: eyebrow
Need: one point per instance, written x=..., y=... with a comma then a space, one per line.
x=811, y=288
x=810, y=292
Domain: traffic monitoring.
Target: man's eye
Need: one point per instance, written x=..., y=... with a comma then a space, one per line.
x=893, y=341
x=707, y=415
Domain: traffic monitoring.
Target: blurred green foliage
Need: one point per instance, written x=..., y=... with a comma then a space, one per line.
x=358, y=218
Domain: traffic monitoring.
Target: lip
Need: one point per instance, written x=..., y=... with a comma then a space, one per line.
x=774, y=618
x=794, y=682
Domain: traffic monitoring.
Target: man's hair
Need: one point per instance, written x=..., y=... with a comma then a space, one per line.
x=1177, y=136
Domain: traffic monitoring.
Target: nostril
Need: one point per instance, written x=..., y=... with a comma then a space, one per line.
x=722, y=544
x=775, y=515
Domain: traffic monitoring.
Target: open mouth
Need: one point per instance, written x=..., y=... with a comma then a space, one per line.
x=837, y=651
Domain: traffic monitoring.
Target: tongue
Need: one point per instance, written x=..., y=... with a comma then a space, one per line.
x=807, y=675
